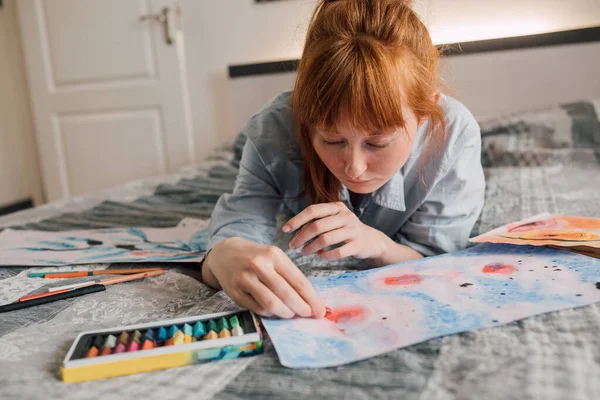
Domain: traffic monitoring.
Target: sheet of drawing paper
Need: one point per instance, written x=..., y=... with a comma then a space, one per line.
x=42, y=248
x=546, y=229
x=376, y=311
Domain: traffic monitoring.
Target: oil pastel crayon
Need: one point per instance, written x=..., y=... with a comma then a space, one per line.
x=134, y=345
x=120, y=348
x=162, y=335
x=109, y=343
x=122, y=342
x=236, y=329
x=148, y=344
x=199, y=330
x=137, y=336
x=223, y=324
x=178, y=338
x=172, y=331
x=187, y=333
x=95, y=349
x=149, y=334
x=148, y=340
x=212, y=331
x=93, y=352
x=223, y=327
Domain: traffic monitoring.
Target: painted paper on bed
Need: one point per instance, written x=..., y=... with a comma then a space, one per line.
x=41, y=248
x=545, y=230
x=376, y=311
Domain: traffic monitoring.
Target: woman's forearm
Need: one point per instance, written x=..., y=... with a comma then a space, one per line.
x=393, y=253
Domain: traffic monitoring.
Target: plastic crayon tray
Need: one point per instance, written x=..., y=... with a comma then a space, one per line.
x=160, y=345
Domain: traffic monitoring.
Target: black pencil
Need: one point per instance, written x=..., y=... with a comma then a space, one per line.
x=48, y=299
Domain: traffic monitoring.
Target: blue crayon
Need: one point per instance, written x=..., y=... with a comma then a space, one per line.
x=199, y=330
x=148, y=335
x=187, y=333
x=162, y=334
x=187, y=329
x=172, y=331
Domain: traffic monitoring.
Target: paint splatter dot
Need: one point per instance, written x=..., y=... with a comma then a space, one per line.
x=494, y=320
x=578, y=295
x=502, y=294
x=498, y=268
x=402, y=280
x=558, y=269
x=466, y=284
x=384, y=318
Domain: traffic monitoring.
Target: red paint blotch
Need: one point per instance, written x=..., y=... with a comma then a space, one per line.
x=406, y=279
x=498, y=268
x=345, y=314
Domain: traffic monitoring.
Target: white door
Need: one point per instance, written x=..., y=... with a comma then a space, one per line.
x=107, y=92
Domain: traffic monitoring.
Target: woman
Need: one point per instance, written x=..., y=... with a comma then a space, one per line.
x=373, y=162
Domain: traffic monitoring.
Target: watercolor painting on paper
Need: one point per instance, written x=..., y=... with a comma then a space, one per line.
x=376, y=311
x=42, y=248
x=545, y=230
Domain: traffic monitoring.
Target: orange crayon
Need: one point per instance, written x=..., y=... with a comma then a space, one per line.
x=93, y=351
x=148, y=344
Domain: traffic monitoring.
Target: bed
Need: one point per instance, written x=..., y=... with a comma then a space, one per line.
x=547, y=160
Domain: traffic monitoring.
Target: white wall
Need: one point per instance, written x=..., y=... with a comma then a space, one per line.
x=19, y=174
x=219, y=33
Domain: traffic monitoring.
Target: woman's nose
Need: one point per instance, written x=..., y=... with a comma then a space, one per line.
x=355, y=165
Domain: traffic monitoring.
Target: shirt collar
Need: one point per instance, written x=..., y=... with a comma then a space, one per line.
x=390, y=195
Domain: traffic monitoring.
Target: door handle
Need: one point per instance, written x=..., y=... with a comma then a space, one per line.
x=163, y=18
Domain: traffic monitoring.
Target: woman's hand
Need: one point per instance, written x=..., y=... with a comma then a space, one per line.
x=261, y=278
x=332, y=224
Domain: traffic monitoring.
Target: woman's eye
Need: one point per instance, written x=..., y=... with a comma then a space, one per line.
x=332, y=143
x=377, y=146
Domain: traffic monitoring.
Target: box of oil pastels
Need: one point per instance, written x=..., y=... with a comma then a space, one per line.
x=159, y=345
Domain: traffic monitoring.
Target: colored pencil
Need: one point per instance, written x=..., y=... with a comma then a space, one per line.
x=79, y=274
x=45, y=294
x=48, y=299
x=107, y=281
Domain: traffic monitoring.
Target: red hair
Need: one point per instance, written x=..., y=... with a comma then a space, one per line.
x=363, y=59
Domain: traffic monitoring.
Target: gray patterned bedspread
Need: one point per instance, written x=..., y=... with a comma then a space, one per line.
x=544, y=161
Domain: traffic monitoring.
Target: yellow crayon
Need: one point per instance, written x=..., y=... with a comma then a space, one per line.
x=178, y=338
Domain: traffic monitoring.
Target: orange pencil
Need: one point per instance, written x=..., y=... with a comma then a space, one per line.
x=105, y=282
x=45, y=294
x=111, y=281
x=79, y=274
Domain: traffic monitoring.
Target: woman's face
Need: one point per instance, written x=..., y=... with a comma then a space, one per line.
x=365, y=163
